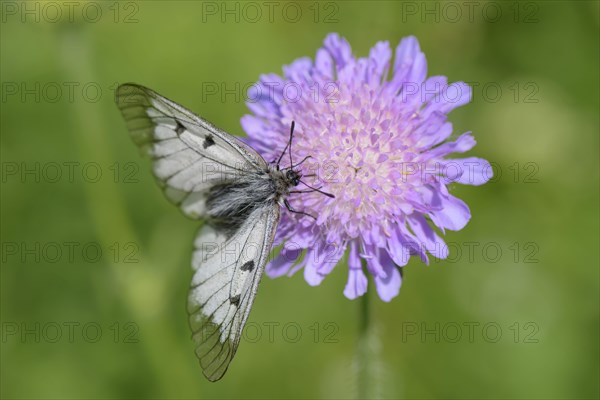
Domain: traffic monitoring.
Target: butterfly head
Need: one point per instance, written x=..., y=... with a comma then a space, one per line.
x=293, y=177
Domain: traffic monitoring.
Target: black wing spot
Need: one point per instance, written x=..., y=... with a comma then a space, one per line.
x=248, y=266
x=235, y=300
x=179, y=128
x=208, y=141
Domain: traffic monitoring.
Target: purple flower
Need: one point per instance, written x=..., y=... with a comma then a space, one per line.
x=379, y=146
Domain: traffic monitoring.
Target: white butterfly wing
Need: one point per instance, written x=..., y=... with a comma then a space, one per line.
x=191, y=156
x=227, y=275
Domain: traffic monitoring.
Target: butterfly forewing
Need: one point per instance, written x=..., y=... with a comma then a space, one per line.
x=193, y=160
x=190, y=154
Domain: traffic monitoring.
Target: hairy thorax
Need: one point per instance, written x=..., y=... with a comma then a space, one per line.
x=231, y=202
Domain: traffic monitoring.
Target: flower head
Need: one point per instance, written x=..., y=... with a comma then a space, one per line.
x=379, y=146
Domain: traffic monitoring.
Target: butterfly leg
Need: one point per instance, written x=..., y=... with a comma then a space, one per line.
x=296, y=165
x=291, y=209
x=302, y=191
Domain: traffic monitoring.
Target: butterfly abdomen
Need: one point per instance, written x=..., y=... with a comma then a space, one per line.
x=230, y=203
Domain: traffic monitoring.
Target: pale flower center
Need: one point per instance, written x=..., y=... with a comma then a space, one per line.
x=356, y=153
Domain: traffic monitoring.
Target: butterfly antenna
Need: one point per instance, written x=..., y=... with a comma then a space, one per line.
x=289, y=144
x=317, y=190
x=291, y=136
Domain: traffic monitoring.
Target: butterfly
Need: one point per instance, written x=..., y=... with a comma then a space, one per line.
x=212, y=175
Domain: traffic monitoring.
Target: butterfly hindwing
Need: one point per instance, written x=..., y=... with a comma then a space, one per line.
x=227, y=273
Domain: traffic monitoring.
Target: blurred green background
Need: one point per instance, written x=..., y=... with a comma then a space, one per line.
x=522, y=323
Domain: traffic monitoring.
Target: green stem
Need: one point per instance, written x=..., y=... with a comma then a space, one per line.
x=362, y=351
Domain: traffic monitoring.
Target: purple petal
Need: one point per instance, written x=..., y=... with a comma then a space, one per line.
x=465, y=142
x=399, y=247
x=468, y=171
x=282, y=263
x=354, y=73
x=339, y=49
x=403, y=244
x=432, y=131
x=271, y=88
x=357, y=280
x=455, y=95
x=324, y=65
x=451, y=97
x=418, y=72
x=427, y=236
x=374, y=266
x=438, y=136
x=388, y=286
x=425, y=198
x=432, y=87
x=410, y=67
x=406, y=53
x=311, y=274
x=299, y=70
x=253, y=126
x=379, y=63
x=264, y=109
x=304, y=237
x=321, y=260
x=329, y=255
x=454, y=214
x=285, y=230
